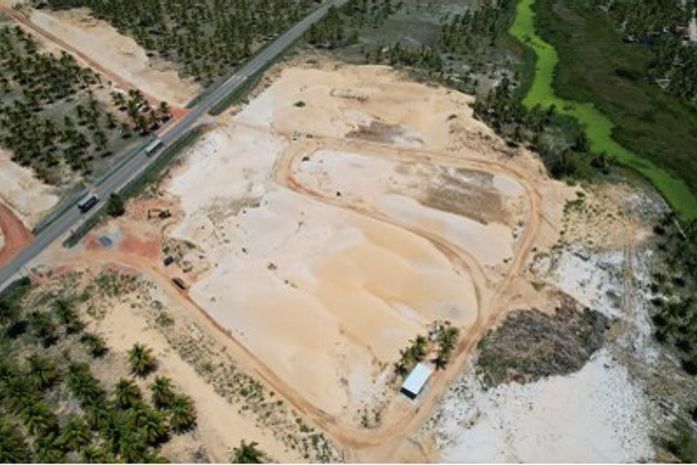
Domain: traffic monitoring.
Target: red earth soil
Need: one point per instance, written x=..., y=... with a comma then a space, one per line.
x=17, y=236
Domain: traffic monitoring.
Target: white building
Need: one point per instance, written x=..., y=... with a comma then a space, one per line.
x=416, y=380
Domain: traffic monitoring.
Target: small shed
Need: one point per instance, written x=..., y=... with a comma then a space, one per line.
x=416, y=380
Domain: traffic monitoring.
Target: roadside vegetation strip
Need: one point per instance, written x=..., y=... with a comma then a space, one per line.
x=598, y=127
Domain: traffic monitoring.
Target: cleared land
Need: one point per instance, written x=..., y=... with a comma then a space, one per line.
x=600, y=129
x=290, y=265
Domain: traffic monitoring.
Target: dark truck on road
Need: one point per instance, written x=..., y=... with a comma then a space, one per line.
x=87, y=202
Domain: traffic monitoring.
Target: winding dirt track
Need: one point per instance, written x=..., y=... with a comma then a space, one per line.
x=492, y=304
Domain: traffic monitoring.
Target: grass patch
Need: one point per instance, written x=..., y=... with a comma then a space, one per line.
x=600, y=129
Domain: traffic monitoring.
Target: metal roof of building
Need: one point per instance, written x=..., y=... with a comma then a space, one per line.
x=417, y=379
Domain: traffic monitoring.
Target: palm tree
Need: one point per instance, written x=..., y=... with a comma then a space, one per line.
x=132, y=446
x=141, y=359
x=164, y=109
x=95, y=344
x=162, y=392
x=44, y=369
x=48, y=448
x=127, y=393
x=13, y=445
x=83, y=385
x=247, y=453
x=76, y=434
x=151, y=424
x=43, y=327
x=420, y=346
x=182, y=413
x=97, y=454
x=39, y=419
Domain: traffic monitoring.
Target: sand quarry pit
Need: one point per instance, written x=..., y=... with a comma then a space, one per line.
x=320, y=238
x=337, y=230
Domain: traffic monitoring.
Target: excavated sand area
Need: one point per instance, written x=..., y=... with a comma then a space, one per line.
x=113, y=51
x=297, y=280
x=338, y=229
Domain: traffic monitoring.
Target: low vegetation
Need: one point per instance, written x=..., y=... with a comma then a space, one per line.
x=451, y=42
x=662, y=29
x=674, y=286
x=247, y=453
x=52, y=406
x=585, y=70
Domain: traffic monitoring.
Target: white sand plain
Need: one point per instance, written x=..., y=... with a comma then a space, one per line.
x=595, y=415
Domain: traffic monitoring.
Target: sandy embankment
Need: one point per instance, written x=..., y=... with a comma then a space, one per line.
x=117, y=53
x=28, y=197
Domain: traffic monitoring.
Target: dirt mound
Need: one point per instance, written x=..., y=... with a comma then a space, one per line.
x=531, y=345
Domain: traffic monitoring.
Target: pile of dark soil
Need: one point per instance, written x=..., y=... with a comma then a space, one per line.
x=531, y=345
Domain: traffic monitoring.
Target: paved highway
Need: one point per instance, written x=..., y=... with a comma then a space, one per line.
x=124, y=173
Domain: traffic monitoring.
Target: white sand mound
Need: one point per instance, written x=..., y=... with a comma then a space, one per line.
x=595, y=415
